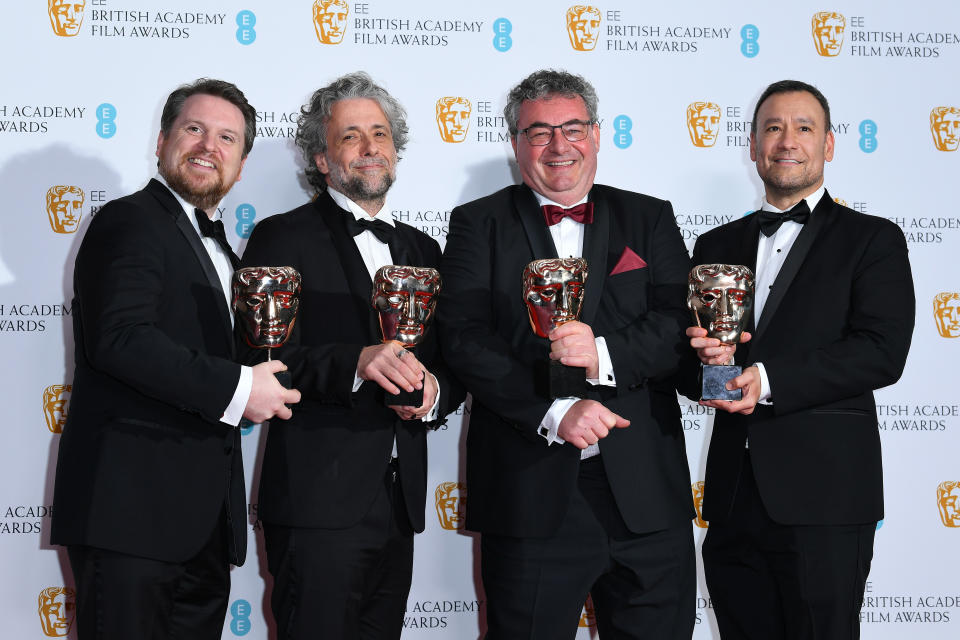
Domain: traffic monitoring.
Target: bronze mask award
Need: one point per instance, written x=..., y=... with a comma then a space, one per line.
x=265, y=302
x=405, y=298
x=720, y=296
x=553, y=293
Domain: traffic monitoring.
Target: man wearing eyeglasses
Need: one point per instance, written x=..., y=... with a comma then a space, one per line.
x=573, y=495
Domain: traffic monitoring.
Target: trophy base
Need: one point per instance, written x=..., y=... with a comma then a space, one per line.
x=567, y=382
x=715, y=379
x=404, y=398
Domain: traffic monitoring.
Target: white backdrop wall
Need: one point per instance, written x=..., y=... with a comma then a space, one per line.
x=79, y=108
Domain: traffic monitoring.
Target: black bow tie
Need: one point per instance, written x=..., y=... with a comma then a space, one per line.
x=770, y=221
x=383, y=231
x=211, y=229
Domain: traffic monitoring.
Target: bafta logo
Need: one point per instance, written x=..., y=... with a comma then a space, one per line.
x=330, y=20
x=840, y=201
x=453, y=118
x=55, y=399
x=828, y=28
x=698, y=503
x=66, y=16
x=57, y=609
x=945, y=127
x=451, y=504
x=948, y=502
x=583, y=27
x=588, y=617
x=64, y=207
x=703, y=123
x=946, y=312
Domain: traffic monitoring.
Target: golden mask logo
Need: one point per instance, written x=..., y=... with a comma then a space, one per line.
x=945, y=127
x=64, y=207
x=703, y=123
x=588, y=617
x=451, y=503
x=828, y=28
x=57, y=609
x=698, y=503
x=948, y=502
x=583, y=27
x=453, y=118
x=840, y=201
x=55, y=398
x=946, y=313
x=330, y=20
x=66, y=16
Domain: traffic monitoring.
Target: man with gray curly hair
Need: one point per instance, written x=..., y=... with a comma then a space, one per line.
x=343, y=486
x=587, y=494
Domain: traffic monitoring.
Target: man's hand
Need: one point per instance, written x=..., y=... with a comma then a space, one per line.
x=711, y=350
x=267, y=396
x=391, y=366
x=574, y=345
x=429, y=397
x=587, y=421
x=749, y=384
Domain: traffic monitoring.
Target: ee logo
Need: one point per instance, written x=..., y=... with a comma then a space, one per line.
x=868, y=136
x=501, y=34
x=106, y=120
x=240, y=623
x=622, y=137
x=245, y=23
x=749, y=46
x=245, y=216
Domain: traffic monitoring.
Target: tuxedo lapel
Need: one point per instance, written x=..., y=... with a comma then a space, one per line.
x=596, y=242
x=354, y=269
x=531, y=217
x=189, y=233
x=798, y=253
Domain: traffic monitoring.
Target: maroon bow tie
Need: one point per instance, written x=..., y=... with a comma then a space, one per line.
x=582, y=213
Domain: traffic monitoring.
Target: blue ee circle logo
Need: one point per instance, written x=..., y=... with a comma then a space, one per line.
x=245, y=23
x=622, y=137
x=245, y=217
x=240, y=623
x=868, y=136
x=501, y=38
x=749, y=46
x=106, y=120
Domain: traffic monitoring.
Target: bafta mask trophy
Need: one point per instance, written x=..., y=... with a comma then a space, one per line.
x=553, y=292
x=405, y=298
x=265, y=303
x=720, y=296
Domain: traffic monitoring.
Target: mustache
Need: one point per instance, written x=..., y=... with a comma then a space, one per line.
x=368, y=162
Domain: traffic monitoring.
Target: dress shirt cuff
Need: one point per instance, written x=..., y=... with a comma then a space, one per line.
x=551, y=422
x=234, y=410
x=764, y=384
x=604, y=365
x=432, y=414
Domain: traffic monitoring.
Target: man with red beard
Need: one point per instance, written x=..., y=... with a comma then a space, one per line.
x=149, y=495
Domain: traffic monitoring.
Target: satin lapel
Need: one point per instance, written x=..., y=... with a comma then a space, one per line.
x=355, y=271
x=798, y=253
x=531, y=217
x=172, y=206
x=405, y=249
x=748, y=255
x=596, y=244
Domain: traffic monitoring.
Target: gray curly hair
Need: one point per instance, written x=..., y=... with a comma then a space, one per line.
x=549, y=82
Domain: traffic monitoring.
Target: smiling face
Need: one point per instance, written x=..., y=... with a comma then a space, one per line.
x=562, y=171
x=553, y=291
x=790, y=146
x=202, y=155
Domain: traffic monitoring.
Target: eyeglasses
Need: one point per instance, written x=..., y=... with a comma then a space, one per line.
x=540, y=135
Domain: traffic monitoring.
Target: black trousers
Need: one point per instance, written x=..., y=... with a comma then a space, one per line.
x=348, y=583
x=769, y=581
x=123, y=597
x=642, y=585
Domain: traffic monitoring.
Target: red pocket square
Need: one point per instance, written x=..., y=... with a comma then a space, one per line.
x=628, y=262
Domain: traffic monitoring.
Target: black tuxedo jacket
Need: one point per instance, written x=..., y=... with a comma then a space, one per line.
x=323, y=467
x=517, y=485
x=145, y=466
x=836, y=326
